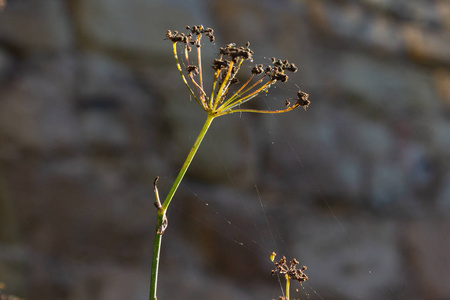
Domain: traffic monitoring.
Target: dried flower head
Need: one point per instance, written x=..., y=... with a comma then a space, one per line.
x=290, y=270
x=226, y=68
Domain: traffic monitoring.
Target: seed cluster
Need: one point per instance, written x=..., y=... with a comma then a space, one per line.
x=284, y=64
x=189, y=39
x=291, y=270
x=198, y=30
x=226, y=67
x=303, y=99
x=235, y=53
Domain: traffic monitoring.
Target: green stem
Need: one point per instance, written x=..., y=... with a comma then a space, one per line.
x=188, y=161
x=161, y=219
x=288, y=282
x=155, y=259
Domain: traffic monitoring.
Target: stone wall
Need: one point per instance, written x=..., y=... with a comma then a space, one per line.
x=92, y=109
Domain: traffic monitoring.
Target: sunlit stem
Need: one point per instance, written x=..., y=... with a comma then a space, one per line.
x=263, y=88
x=288, y=283
x=238, y=103
x=186, y=54
x=162, y=209
x=216, y=76
x=181, y=73
x=252, y=86
x=227, y=88
x=199, y=57
x=220, y=91
x=201, y=92
x=230, y=80
x=235, y=95
x=239, y=94
x=155, y=258
x=248, y=97
x=239, y=65
x=259, y=111
x=188, y=161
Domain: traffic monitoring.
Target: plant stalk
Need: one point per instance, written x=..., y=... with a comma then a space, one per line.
x=288, y=283
x=155, y=258
x=161, y=222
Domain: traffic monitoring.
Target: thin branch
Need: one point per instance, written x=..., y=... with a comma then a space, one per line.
x=220, y=91
x=182, y=75
x=260, y=111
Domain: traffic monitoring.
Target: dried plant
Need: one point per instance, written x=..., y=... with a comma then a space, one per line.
x=227, y=96
x=289, y=271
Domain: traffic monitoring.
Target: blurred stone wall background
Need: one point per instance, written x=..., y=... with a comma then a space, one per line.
x=357, y=188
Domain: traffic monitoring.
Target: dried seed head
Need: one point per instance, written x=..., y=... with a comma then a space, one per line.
x=177, y=37
x=278, y=74
x=198, y=30
x=236, y=52
x=291, y=271
x=258, y=69
x=209, y=32
x=284, y=64
x=193, y=70
x=291, y=68
x=225, y=74
x=220, y=64
x=303, y=99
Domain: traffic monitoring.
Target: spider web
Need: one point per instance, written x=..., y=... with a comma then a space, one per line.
x=268, y=238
